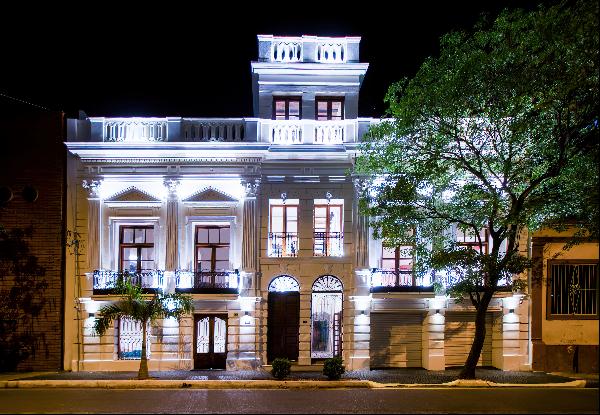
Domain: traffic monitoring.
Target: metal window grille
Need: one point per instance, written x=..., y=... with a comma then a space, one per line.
x=573, y=289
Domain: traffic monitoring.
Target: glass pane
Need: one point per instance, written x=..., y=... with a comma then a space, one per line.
x=130, y=339
x=388, y=263
x=224, y=235
x=147, y=265
x=280, y=110
x=130, y=266
x=336, y=110
x=202, y=235
x=147, y=254
x=277, y=219
x=202, y=336
x=326, y=324
x=221, y=265
x=127, y=236
x=335, y=216
x=320, y=219
x=405, y=264
x=204, y=254
x=322, y=110
x=292, y=226
x=294, y=110
x=222, y=253
x=389, y=252
x=150, y=236
x=213, y=235
x=139, y=236
x=204, y=266
x=219, y=336
x=130, y=254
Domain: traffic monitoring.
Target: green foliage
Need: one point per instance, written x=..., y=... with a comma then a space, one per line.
x=499, y=131
x=281, y=368
x=22, y=298
x=136, y=305
x=334, y=368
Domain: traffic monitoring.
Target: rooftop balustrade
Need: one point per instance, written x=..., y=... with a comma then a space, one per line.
x=315, y=49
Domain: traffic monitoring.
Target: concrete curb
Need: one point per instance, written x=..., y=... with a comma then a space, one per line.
x=267, y=384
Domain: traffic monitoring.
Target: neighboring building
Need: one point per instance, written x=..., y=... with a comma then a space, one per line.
x=257, y=218
x=564, y=292
x=32, y=190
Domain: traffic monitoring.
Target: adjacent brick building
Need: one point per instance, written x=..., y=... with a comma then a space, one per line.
x=32, y=194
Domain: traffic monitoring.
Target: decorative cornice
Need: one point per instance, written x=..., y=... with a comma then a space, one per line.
x=132, y=194
x=210, y=194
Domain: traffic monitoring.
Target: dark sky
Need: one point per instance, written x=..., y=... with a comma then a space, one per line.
x=193, y=59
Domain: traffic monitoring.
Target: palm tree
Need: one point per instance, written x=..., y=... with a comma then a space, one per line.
x=138, y=307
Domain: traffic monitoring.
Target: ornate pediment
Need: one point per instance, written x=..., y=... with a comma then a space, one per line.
x=132, y=194
x=210, y=194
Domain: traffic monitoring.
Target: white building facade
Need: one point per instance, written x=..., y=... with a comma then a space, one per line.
x=257, y=218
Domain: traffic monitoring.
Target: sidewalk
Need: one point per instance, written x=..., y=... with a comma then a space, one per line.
x=220, y=379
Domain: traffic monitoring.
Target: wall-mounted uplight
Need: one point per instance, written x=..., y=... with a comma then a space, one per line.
x=437, y=311
x=246, y=313
x=512, y=310
x=91, y=315
x=362, y=312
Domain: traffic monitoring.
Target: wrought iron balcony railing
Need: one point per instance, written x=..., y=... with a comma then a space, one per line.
x=392, y=280
x=205, y=282
x=328, y=244
x=283, y=244
x=504, y=284
x=105, y=281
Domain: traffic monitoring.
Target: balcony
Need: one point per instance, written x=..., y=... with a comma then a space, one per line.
x=293, y=132
x=328, y=244
x=204, y=282
x=283, y=244
x=391, y=280
x=207, y=129
x=105, y=281
x=446, y=280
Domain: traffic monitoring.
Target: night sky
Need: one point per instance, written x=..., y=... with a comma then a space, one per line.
x=194, y=60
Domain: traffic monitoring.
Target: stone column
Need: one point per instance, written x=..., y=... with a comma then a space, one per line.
x=171, y=259
x=93, y=237
x=361, y=240
x=250, y=235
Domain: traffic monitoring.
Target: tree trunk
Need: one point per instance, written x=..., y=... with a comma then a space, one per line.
x=143, y=372
x=468, y=371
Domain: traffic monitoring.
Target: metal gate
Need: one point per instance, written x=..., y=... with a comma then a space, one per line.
x=458, y=338
x=396, y=340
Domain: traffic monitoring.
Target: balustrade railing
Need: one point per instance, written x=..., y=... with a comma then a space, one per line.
x=331, y=52
x=328, y=244
x=447, y=280
x=105, y=281
x=286, y=132
x=207, y=281
x=286, y=51
x=135, y=130
x=283, y=244
x=329, y=132
x=213, y=130
x=398, y=280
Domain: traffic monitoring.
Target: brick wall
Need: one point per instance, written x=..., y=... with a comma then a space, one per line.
x=33, y=154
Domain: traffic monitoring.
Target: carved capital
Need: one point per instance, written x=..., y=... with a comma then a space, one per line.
x=251, y=186
x=172, y=186
x=93, y=188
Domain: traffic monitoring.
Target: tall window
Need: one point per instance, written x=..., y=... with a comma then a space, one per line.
x=136, y=246
x=283, y=229
x=212, y=248
x=287, y=108
x=572, y=289
x=329, y=108
x=469, y=239
x=130, y=339
x=396, y=266
x=328, y=235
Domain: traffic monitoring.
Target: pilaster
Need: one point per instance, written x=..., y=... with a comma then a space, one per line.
x=171, y=259
x=93, y=239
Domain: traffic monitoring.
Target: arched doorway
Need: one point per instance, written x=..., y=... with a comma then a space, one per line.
x=283, y=322
x=326, y=317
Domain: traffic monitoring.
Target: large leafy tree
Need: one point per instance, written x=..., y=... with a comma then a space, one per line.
x=136, y=305
x=500, y=131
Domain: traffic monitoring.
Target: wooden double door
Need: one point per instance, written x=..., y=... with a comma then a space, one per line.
x=283, y=325
x=210, y=341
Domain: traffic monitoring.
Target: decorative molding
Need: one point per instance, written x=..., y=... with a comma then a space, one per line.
x=210, y=194
x=132, y=194
x=172, y=186
x=173, y=160
x=93, y=188
x=251, y=186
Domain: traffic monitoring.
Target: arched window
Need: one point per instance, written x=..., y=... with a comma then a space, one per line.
x=284, y=283
x=326, y=313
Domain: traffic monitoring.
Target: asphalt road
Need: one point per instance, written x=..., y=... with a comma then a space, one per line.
x=494, y=400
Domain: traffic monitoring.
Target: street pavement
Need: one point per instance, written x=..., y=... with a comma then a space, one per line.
x=426, y=400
